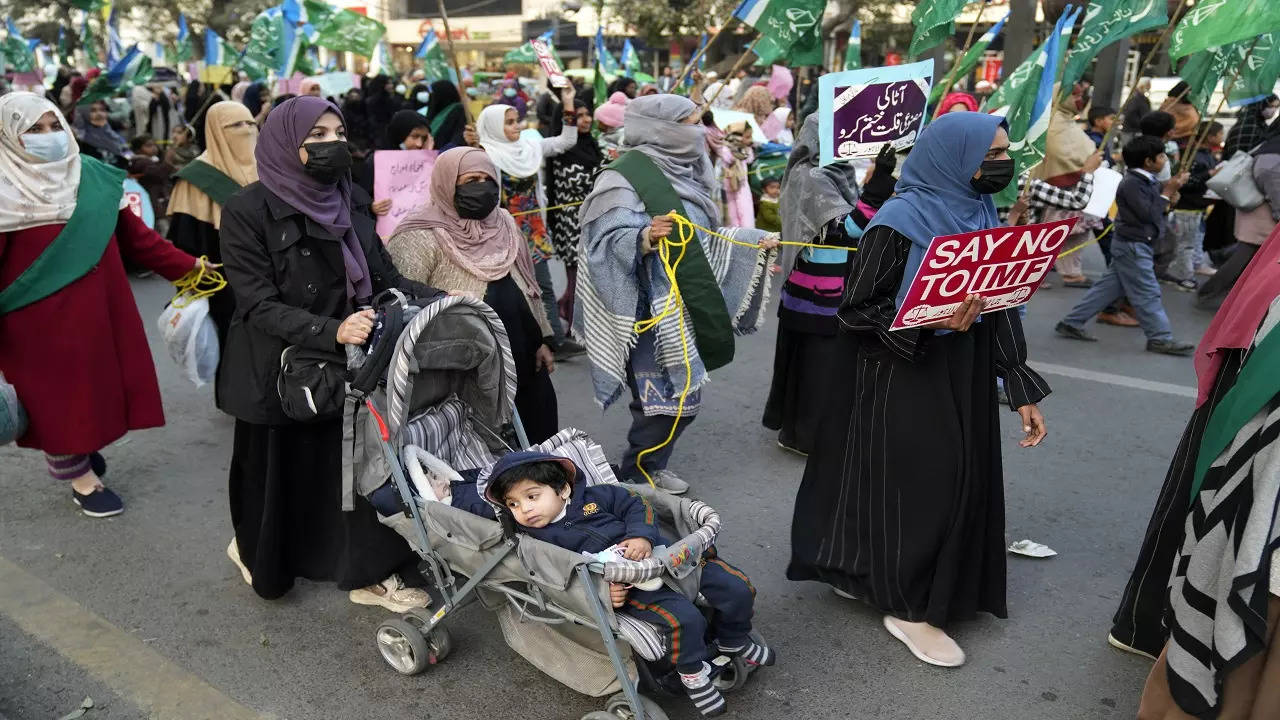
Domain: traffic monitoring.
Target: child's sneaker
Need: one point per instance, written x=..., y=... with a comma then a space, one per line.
x=753, y=653
x=704, y=694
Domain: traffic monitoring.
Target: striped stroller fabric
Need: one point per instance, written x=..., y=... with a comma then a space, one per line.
x=447, y=429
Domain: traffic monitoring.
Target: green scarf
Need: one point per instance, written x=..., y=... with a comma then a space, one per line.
x=210, y=180
x=1255, y=386
x=81, y=242
x=703, y=299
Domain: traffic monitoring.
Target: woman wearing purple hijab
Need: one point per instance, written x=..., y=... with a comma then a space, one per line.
x=301, y=264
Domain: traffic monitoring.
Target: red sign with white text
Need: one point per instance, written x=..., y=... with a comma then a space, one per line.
x=1004, y=265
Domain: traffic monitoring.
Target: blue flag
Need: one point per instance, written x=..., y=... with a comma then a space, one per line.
x=608, y=64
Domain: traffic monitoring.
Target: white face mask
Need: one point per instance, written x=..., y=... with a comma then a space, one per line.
x=1270, y=112
x=423, y=96
x=48, y=146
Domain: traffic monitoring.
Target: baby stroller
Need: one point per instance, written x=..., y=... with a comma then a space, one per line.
x=449, y=390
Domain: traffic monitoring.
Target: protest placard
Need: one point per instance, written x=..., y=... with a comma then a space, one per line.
x=336, y=84
x=404, y=177
x=861, y=110
x=1004, y=265
x=548, y=62
x=1105, y=184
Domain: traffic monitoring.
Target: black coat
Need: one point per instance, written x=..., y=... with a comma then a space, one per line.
x=287, y=275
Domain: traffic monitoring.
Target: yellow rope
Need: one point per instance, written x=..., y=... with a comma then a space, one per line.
x=547, y=209
x=201, y=282
x=1084, y=245
x=685, y=229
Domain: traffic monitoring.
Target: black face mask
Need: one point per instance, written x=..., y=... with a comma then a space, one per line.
x=996, y=176
x=327, y=161
x=475, y=200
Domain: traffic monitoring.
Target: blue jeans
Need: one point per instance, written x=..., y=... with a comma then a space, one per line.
x=543, y=275
x=1132, y=274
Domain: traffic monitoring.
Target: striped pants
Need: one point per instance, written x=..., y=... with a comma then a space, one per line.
x=726, y=589
x=67, y=467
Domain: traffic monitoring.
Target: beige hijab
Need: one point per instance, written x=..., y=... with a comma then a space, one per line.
x=1067, y=147
x=227, y=148
x=33, y=192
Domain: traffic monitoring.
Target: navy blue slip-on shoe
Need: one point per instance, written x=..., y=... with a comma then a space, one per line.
x=98, y=464
x=99, y=504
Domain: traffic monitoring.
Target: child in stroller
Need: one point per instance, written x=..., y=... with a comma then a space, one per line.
x=548, y=498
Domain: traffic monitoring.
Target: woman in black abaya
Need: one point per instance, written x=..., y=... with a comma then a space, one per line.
x=902, y=502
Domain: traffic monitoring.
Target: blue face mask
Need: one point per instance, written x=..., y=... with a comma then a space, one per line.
x=423, y=96
x=509, y=92
x=48, y=147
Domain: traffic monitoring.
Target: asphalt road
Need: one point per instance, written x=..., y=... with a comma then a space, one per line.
x=144, y=613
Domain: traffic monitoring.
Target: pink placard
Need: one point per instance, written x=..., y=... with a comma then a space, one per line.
x=404, y=177
x=1004, y=265
x=291, y=85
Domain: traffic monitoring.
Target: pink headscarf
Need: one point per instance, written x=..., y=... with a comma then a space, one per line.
x=781, y=82
x=1237, y=321
x=487, y=248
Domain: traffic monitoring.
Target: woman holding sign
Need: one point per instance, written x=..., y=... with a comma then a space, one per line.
x=902, y=503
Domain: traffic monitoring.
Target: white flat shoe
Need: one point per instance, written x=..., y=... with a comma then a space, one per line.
x=902, y=635
x=233, y=552
x=1113, y=642
x=394, y=596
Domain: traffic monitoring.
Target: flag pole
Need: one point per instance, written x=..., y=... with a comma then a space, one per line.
x=1188, y=160
x=724, y=82
x=697, y=55
x=453, y=55
x=968, y=43
x=1146, y=63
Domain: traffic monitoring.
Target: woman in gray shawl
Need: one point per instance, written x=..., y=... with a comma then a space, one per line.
x=623, y=280
x=820, y=205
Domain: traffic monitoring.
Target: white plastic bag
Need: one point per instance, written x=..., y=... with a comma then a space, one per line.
x=191, y=337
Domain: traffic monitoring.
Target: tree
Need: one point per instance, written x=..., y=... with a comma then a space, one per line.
x=157, y=19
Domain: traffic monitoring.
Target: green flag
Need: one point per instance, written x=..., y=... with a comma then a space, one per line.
x=266, y=44
x=90, y=5
x=935, y=21
x=600, y=87
x=434, y=62
x=344, y=30
x=17, y=53
x=1213, y=23
x=1202, y=71
x=1258, y=73
x=790, y=30
x=853, y=53
x=1106, y=22
x=89, y=44
x=132, y=70
x=1026, y=102
x=522, y=55
x=966, y=64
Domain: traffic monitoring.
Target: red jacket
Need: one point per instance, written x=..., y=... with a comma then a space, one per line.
x=79, y=358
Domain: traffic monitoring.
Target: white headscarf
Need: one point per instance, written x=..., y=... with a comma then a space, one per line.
x=520, y=159
x=33, y=192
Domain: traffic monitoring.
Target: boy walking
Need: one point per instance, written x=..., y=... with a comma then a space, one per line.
x=1143, y=203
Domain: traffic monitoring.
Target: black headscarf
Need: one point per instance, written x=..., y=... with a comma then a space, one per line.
x=1250, y=128
x=413, y=96
x=402, y=123
x=448, y=127
x=253, y=98
x=586, y=151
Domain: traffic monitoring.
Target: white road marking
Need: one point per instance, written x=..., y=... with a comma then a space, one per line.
x=1113, y=379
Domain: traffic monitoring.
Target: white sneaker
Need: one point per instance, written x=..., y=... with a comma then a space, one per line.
x=392, y=595
x=233, y=552
x=670, y=482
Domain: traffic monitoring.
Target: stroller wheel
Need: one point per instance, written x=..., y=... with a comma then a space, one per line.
x=402, y=646
x=439, y=644
x=733, y=672
x=617, y=708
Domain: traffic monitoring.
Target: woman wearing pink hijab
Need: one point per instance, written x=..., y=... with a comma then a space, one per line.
x=957, y=102
x=463, y=243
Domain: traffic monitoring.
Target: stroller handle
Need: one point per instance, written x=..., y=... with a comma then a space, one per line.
x=680, y=558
